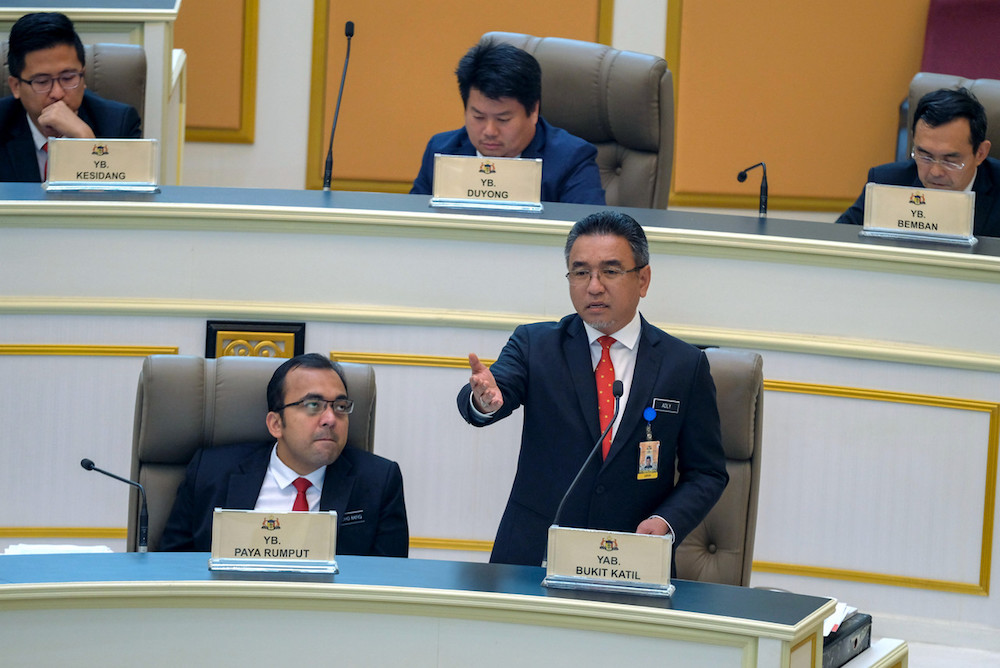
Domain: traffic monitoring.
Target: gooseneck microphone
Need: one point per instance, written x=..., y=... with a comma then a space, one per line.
x=617, y=389
x=143, y=513
x=742, y=176
x=328, y=171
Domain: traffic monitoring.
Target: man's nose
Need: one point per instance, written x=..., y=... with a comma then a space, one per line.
x=57, y=92
x=491, y=128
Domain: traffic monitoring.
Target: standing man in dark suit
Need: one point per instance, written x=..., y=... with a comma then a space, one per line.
x=307, y=468
x=561, y=372
x=501, y=88
x=46, y=61
x=950, y=152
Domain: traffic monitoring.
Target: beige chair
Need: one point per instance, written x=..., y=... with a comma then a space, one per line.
x=113, y=71
x=986, y=90
x=185, y=403
x=720, y=549
x=620, y=101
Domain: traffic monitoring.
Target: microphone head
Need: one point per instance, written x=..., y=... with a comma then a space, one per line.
x=741, y=177
x=87, y=464
x=617, y=389
x=349, y=29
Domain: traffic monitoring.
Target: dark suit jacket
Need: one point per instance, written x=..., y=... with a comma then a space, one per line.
x=569, y=173
x=231, y=476
x=547, y=368
x=986, y=186
x=108, y=120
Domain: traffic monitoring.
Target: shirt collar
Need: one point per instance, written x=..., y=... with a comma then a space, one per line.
x=628, y=335
x=285, y=476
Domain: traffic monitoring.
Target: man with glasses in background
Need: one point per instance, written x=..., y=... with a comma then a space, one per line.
x=50, y=98
x=307, y=468
x=950, y=152
x=563, y=374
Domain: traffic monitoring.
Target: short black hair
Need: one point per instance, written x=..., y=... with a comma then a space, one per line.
x=500, y=70
x=276, y=386
x=945, y=105
x=37, y=31
x=616, y=223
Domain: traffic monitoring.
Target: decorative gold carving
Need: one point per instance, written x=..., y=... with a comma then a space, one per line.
x=255, y=344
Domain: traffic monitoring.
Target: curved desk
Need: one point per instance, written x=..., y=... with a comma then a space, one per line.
x=168, y=609
x=879, y=356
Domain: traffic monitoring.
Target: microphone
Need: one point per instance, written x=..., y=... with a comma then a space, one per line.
x=742, y=176
x=143, y=513
x=617, y=390
x=328, y=171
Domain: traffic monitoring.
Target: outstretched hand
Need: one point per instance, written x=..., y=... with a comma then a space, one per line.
x=485, y=393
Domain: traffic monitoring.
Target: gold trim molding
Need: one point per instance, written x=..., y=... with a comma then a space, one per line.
x=982, y=588
x=811, y=344
x=86, y=350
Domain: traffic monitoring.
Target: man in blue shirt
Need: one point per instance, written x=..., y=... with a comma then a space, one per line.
x=501, y=89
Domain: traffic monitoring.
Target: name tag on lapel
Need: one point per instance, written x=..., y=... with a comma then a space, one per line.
x=353, y=517
x=666, y=405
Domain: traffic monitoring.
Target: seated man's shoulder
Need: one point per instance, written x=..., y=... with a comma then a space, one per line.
x=369, y=460
x=892, y=172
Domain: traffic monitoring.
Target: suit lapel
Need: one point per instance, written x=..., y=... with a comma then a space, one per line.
x=245, y=483
x=647, y=369
x=337, y=485
x=576, y=353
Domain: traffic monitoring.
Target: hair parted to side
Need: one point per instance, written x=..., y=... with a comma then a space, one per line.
x=945, y=105
x=614, y=223
x=37, y=31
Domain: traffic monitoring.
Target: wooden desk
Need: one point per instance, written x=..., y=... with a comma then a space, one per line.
x=878, y=357
x=168, y=609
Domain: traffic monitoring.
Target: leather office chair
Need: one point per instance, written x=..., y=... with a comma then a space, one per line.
x=622, y=102
x=184, y=403
x=113, y=71
x=720, y=549
x=986, y=90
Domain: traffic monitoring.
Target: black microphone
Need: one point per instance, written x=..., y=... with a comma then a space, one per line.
x=742, y=176
x=143, y=513
x=617, y=390
x=328, y=171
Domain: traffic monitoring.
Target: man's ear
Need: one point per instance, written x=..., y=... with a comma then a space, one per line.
x=274, y=424
x=15, y=86
x=983, y=151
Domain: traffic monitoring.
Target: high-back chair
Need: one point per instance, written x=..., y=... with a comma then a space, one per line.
x=185, y=403
x=113, y=71
x=720, y=549
x=622, y=102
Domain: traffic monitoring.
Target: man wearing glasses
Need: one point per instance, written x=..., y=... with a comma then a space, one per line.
x=50, y=98
x=307, y=468
x=950, y=152
x=563, y=374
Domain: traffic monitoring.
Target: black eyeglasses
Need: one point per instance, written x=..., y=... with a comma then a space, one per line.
x=43, y=84
x=314, y=406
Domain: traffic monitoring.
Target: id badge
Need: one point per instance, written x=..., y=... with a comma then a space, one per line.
x=649, y=456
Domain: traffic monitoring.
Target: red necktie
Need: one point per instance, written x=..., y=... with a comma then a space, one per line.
x=605, y=376
x=302, y=485
x=45, y=170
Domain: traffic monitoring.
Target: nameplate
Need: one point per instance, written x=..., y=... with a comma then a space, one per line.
x=249, y=540
x=919, y=213
x=608, y=561
x=469, y=182
x=130, y=165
